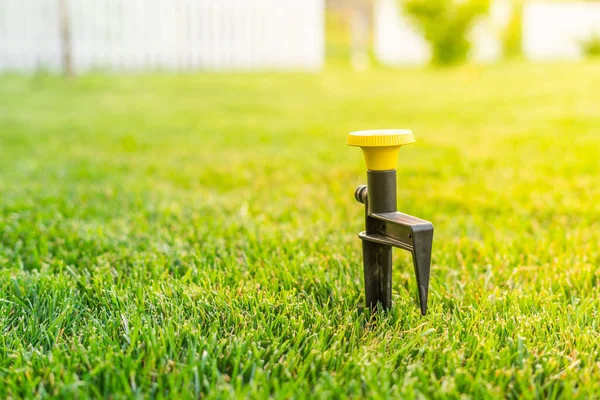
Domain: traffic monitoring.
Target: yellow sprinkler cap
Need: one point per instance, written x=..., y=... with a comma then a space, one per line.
x=381, y=147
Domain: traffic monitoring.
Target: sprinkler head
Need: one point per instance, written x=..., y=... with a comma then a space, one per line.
x=385, y=226
x=381, y=147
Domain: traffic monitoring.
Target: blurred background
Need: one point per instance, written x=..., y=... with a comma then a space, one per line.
x=76, y=36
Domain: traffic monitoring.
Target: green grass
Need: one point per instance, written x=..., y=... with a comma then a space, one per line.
x=196, y=235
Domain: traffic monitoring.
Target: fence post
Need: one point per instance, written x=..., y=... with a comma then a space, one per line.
x=65, y=38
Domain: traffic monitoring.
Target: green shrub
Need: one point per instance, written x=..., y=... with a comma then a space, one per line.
x=445, y=25
x=591, y=46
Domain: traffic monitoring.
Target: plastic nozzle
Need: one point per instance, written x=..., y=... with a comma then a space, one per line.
x=381, y=147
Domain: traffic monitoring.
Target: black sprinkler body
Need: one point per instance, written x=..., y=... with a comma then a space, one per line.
x=385, y=227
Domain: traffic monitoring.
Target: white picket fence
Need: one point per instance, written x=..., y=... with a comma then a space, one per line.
x=164, y=34
x=554, y=30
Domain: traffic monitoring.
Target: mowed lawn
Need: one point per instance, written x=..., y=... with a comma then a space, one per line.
x=196, y=235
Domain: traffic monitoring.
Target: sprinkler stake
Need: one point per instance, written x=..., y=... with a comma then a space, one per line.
x=385, y=227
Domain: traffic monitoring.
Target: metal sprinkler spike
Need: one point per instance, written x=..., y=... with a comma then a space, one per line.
x=385, y=226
